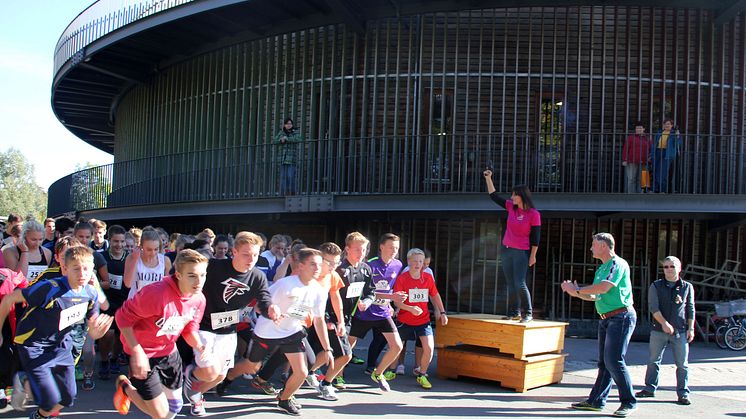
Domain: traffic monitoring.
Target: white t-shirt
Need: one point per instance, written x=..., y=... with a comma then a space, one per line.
x=296, y=301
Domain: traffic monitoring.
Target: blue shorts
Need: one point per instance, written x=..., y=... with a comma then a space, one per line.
x=53, y=381
x=407, y=332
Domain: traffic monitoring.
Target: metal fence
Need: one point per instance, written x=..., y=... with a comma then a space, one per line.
x=571, y=163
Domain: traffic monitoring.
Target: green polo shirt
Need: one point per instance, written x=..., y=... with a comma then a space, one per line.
x=615, y=271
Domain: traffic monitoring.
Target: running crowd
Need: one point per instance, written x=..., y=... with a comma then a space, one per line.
x=188, y=314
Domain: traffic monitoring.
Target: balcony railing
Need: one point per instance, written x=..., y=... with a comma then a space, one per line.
x=571, y=163
x=102, y=18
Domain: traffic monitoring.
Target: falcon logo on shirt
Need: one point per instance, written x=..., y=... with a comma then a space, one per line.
x=233, y=288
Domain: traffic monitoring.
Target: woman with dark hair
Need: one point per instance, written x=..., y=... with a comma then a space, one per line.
x=519, y=245
x=287, y=141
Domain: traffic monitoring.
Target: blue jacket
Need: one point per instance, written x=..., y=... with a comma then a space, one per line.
x=673, y=148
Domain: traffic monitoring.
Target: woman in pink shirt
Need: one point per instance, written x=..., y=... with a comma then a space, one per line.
x=519, y=246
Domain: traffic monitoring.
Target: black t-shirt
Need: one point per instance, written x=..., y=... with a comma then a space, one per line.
x=226, y=290
x=117, y=292
x=350, y=274
x=98, y=261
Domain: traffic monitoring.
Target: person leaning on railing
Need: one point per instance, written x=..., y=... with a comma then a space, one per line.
x=288, y=140
x=635, y=157
x=665, y=148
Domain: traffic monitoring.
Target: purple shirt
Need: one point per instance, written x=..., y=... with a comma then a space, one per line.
x=519, y=225
x=384, y=276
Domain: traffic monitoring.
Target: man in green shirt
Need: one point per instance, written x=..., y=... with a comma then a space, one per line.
x=612, y=293
x=288, y=142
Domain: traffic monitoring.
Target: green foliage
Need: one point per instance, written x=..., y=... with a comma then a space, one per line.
x=19, y=192
x=90, y=187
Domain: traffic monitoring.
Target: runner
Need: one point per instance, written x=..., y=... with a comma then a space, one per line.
x=43, y=334
x=272, y=258
x=9, y=282
x=48, y=231
x=83, y=231
x=110, y=346
x=414, y=315
x=28, y=257
x=232, y=284
x=222, y=247
x=99, y=243
x=149, y=325
x=145, y=265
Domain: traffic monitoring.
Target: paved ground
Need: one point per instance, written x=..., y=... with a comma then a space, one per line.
x=718, y=383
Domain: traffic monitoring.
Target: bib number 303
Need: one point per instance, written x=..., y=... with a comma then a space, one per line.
x=417, y=295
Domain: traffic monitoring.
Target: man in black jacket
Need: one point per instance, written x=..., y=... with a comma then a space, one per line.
x=671, y=300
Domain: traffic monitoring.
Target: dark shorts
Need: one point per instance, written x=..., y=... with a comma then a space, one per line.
x=340, y=344
x=407, y=332
x=261, y=348
x=360, y=328
x=164, y=371
x=51, y=375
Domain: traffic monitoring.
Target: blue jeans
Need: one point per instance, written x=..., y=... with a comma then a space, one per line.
x=613, y=338
x=658, y=343
x=515, y=267
x=287, y=179
x=661, y=166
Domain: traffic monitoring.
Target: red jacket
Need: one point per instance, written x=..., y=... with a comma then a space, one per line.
x=9, y=281
x=636, y=149
x=158, y=315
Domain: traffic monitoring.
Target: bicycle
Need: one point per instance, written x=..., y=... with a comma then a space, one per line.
x=727, y=323
x=735, y=337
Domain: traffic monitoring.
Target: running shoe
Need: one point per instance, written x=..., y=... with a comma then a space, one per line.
x=265, y=386
x=339, y=383
x=624, y=411
x=389, y=375
x=88, y=383
x=400, y=370
x=121, y=401
x=357, y=360
x=527, y=318
x=416, y=371
x=424, y=382
x=105, y=370
x=198, y=407
x=222, y=387
x=312, y=380
x=381, y=381
x=19, y=395
x=328, y=393
x=584, y=405
x=288, y=407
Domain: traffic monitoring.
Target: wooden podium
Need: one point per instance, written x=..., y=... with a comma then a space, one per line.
x=520, y=356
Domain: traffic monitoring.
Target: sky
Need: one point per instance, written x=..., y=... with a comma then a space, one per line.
x=29, y=30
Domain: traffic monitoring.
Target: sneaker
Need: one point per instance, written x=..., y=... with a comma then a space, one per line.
x=293, y=401
x=389, y=375
x=416, y=371
x=198, y=407
x=339, y=383
x=684, y=400
x=248, y=377
x=512, y=317
x=644, y=394
x=19, y=395
x=265, y=386
x=221, y=388
x=424, y=382
x=288, y=407
x=312, y=380
x=381, y=381
x=88, y=383
x=328, y=393
x=624, y=411
x=585, y=406
x=526, y=318
x=3, y=399
x=357, y=360
x=121, y=401
x=104, y=371
x=400, y=370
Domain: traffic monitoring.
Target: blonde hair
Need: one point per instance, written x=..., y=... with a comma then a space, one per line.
x=414, y=252
x=135, y=233
x=31, y=226
x=78, y=253
x=355, y=237
x=186, y=257
x=247, y=237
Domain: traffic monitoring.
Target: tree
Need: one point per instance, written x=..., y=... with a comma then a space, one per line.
x=19, y=192
x=91, y=186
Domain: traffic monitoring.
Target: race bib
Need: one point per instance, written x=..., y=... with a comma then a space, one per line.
x=34, y=271
x=299, y=311
x=224, y=319
x=72, y=315
x=380, y=302
x=115, y=282
x=418, y=295
x=355, y=289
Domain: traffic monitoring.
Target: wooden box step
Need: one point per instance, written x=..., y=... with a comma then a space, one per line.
x=518, y=374
x=510, y=337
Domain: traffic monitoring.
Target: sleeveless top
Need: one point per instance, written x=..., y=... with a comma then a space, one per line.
x=145, y=275
x=35, y=268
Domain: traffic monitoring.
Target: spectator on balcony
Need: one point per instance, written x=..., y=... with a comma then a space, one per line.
x=519, y=245
x=635, y=157
x=666, y=148
x=288, y=141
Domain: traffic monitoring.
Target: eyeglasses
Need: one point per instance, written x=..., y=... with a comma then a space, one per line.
x=668, y=266
x=332, y=263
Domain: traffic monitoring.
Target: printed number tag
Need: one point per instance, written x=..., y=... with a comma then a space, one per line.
x=34, y=271
x=418, y=295
x=355, y=289
x=115, y=282
x=299, y=311
x=380, y=302
x=224, y=319
x=72, y=315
